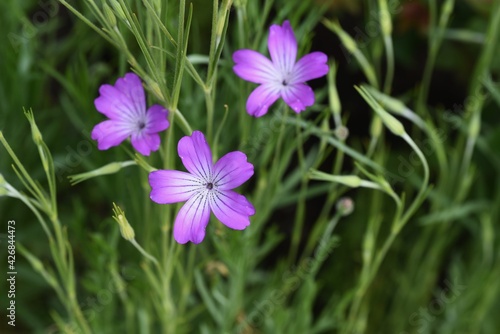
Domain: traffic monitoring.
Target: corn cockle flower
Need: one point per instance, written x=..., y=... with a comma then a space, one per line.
x=281, y=76
x=207, y=187
x=125, y=106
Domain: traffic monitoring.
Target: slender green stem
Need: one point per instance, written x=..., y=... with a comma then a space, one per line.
x=26, y=176
x=209, y=102
x=473, y=112
x=420, y=196
x=369, y=274
x=277, y=156
x=436, y=32
x=389, y=51
x=386, y=28
x=183, y=122
x=143, y=252
x=26, y=201
x=301, y=205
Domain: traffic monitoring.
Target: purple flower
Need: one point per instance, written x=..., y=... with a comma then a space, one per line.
x=207, y=187
x=281, y=76
x=125, y=106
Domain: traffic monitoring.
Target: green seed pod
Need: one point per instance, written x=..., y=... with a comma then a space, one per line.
x=110, y=16
x=126, y=230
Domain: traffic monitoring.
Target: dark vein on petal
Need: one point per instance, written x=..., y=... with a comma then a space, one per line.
x=201, y=164
x=230, y=208
x=221, y=178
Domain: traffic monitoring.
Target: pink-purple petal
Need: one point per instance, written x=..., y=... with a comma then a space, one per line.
x=109, y=133
x=116, y=105
x=311, y=66
x=172, y=186
x=232, y=170
x=130, y=85
x=192, y=220
x=156, y=119
x=145, y=143
x=282, y=47
x=254, y=67
x=125, y=105
x=261, y=99
x=231, y=208
x=298, y=97
x=196, y=155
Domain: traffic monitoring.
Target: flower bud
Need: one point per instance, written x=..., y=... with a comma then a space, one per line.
x=110, y=16
x=126, y=230
x=3, y=186
x=475, y=126
x=342, y=132
x=345, y=206
x=333, y=95
x=392, y=104
x=352, y=181
x=385, y=18
x=35, y=132
x=217, y=266
x=119, y=11
x=345, y=38
x=155, y=89
x=395, y=126
x=376, y=127
x=110, y=168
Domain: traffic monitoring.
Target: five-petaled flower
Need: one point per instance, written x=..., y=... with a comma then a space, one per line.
x=207, y=187
x=281, y=76
x=125, y=106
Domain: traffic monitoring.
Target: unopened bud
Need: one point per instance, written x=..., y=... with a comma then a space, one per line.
x=345, y=206
x=448, y=8
x=223, y=12
x=35, y=132
x=110, y=16
x=392, y=104
x=395, y=126
x=217, y=266
x=333, y=95
x=119, y=10
x=385, y=18
x=155, y=89
x=475, y=126
x=345, y=38
x=342, y=132
x=3, y=186
x=352, y=181
x=376, y=127
x=110, y=168
x=36, y=264
x=126, y=230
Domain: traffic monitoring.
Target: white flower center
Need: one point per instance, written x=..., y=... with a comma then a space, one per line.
x=286, y=79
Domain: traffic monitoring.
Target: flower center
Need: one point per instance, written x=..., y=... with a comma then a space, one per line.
x=141, y=125
x=209, y=185
x=286, y=79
